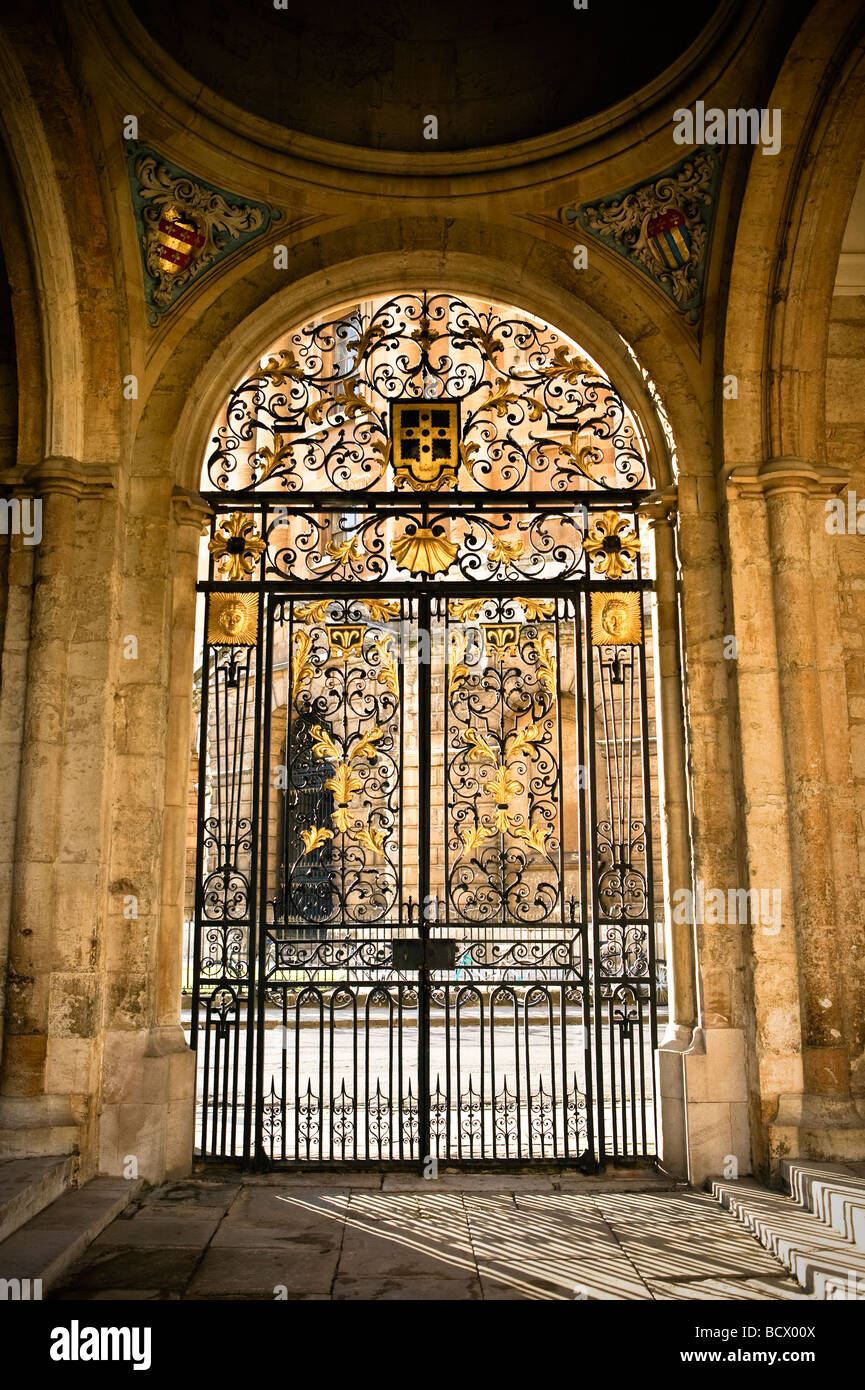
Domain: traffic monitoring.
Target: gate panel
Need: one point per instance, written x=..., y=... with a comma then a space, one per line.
x=338, y=1022
x=226, y=875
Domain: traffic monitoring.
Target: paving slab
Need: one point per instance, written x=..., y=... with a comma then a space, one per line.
x=168, y=1269
x=684, y=1235
x=259, y=1273
x=194, y=1193
x=424, y=1289
x=156, y=1226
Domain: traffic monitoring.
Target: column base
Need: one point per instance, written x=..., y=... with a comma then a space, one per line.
x=827, y=1129
x=147, y=1124
x=39, y=1127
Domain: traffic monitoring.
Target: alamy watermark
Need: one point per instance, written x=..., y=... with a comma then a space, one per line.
x=714, y=907
x=21, y=516
x=736, y=126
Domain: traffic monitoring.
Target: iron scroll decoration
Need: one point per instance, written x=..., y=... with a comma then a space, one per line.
x=331, y=408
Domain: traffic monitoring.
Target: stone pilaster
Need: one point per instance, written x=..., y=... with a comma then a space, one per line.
x=817, y=1117
x=147, y=1118
x=54, y=1000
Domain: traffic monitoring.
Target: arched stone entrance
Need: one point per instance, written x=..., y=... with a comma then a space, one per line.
x=428, y=905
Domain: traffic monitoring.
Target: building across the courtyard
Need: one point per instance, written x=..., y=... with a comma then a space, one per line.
x=432, y=595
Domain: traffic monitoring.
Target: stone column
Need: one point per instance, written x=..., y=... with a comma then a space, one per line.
x=675, y=840
x=822, y=1120
x=675, y=829
x=13, y=691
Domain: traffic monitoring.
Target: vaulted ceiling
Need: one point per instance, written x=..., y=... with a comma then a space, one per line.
x=492, y=71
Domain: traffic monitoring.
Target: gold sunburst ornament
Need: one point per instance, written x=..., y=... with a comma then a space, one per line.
x=611, y=546
x=233, y=620
x=236, y=546
x=424, y=550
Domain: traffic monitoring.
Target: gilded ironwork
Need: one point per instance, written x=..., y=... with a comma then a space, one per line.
x=236, y=545
x=425, y=898
x=517, y=400
x=233, y=620
x=612, y=545
x=424, y=550
x=616, y=619
x=501, y=638
x=345, y=640
x=425, y=444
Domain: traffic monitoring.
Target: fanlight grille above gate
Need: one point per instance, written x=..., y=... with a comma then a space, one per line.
x=426, y=392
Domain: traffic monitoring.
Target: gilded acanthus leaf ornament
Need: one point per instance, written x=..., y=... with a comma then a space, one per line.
x=382, y=610
x=283, y=368
x=466, y=610
x=273, y=458
x=473, y=835
x=387, y=674
x=567, y=368
x=323, y=745
x=424, y=551
x=612, y=545
x=346, y=402
x=371, y=839
x=457, y=668
x=536, y=609
x=503, y=551
x=365, y=746
x=314, y=837
x=502, y=395
x=314, y=612
x=236, y=546
x=478, y=746
x=302, y=670
x=343, y=784
x=523, y=741
x=535, y=835
x=346, y=552
x=545, y=649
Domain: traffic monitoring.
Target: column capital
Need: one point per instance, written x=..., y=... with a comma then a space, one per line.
x=787, y=474
x=188, y=509
x=65, y=476
x=662, y=507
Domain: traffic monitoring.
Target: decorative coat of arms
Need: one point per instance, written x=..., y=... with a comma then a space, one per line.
x=661, y=226
x=185, y=226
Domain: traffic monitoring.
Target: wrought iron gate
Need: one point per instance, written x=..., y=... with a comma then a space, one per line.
x=425, y=900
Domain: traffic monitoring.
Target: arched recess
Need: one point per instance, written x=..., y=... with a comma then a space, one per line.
x=363, y=280
x=798, y=826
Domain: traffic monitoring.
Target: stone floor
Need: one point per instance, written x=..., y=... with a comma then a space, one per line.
x=400, y=1237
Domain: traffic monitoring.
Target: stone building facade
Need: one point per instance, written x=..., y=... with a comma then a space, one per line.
x=724, y=281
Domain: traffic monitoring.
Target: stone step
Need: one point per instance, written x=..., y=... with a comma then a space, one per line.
x=825, y=1263
x=833, y=1192
x=27, y=1185
x=47, y=1245
x=34, y=1141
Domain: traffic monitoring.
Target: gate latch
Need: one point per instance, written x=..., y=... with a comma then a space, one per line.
x=441, y=954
